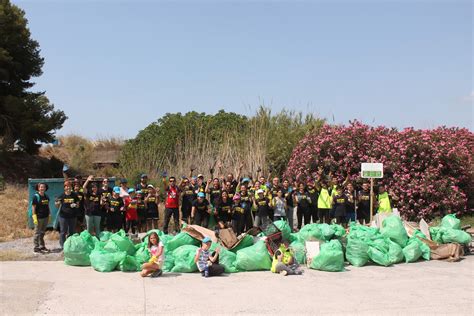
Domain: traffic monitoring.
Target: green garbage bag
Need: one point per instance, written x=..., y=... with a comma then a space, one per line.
x=168, y=264
x=412, y=252
x=450, y=235
x=247, y=241
x=129, y=264
x=181, y=239
x=450, y=221
x=104, y=261
x=425, y=249
x=284, y=227
x=395, y=252
x=105, y=236
x=228, y=260
x=339, y=231
x=184, y=259
x=142, y=255
x=311, y=232
x=392, y=227
x=330, y=257
x=122, y=242
x=299, y=251
x=254, y=258
x=378, y=252
x=77, y=249
x=327, y=231
x=357, y=251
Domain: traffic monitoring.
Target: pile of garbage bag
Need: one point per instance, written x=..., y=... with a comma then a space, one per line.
x=362, y=245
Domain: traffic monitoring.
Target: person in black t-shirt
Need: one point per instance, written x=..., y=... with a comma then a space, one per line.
x=151, y=202
x=143, y=186
x=288, y=194
x=189, y=195
x=80, y=224
x=224, y=209
x=200, y=211
x=238, y=217
x=303, y=202
x=40, y=213
x=92, y=203
x=246, y=202
x=105, y=193
x=363, y=204
x=68, y=203
x=340, y=202
x=214, y=191
x=313, y=194
x=262, y=204
x=115, y=210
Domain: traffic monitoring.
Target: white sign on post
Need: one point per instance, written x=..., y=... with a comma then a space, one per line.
x=372, y=170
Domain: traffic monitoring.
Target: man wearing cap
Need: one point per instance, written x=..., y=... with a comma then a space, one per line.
x=188, y=198
x=123, y=188
x=200, y=210
x=143, y=185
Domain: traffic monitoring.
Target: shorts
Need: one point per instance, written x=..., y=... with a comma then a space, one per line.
x=152, y=215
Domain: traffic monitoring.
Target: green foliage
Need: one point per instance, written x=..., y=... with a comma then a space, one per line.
x=176, y=142
x=25, y=117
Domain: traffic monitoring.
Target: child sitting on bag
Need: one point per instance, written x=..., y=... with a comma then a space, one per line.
x=153, y=266
x=284, y=262
x=206, y=261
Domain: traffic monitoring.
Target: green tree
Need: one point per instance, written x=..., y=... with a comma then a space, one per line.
x=26, y=117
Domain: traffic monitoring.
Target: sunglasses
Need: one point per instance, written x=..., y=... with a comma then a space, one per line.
x=171, y=180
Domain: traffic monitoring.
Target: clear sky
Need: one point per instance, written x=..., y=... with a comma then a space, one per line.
x=116, y=66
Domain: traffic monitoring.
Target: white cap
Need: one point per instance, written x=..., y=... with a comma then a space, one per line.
x=260, y=191
x=200, y=175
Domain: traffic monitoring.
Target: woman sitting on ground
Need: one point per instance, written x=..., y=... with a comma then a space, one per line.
x=156, y=249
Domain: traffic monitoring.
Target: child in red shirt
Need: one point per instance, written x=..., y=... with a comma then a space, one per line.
x=131, y=215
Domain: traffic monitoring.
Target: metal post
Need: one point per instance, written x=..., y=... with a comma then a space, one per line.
x=371, y=200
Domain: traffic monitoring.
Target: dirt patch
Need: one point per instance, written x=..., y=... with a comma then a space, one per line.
x=22, y=249
x=13, y=206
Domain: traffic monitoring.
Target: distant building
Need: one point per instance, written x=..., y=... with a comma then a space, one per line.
x=105, y=158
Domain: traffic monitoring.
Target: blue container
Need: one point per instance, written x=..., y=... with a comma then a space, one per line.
x=55, y=189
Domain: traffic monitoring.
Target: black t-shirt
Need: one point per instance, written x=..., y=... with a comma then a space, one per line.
x=152, y=205
x=314, y=196
x=80, y=196
x=350, y=207
x=42, y=205
x=189, y=195
x=66, y=200
x=274, y=190
x=287, y=193
x=224, y=210
x=262, y=206
x=92, y=204
x=245, y=200
x=237, y=210
x=115, y=205
x=340, y=205
x=201, y=206
x=107, y=193
x=143, y=188
x=141, y=208
x=215, y=196
x=364, y=203
x=303, y=200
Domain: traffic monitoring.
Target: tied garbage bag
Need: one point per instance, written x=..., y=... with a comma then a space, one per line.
x=105, y=236
x=357, y=251
x=77, y=249
x=327, y=231
x=392, y=227
x=378, y=252
x=296, y=237
x=412, y=252
x=184, y=259
x=443, y=235
x=395, y=252
x=168, y=264
x=120, y=242
x=181, y=239
x=283, y=226
x=228, y=260
x=339, y=231
x=425, y=249
x=450, y=221
x=254, y=258
x=299, y=251
x=330, y=257
x=104, y=261
x=129, y=264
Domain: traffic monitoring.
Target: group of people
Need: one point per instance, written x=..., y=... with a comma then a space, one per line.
x=237, y=202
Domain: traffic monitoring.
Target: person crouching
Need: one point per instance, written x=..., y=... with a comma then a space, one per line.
x=284, y=262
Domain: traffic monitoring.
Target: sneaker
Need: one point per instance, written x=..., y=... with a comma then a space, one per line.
x=37, y=250
x=45, y=250
x=284, y=273
x=156, y=274
x=206, y=274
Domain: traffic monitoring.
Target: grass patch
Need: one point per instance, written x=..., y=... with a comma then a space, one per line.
x=13, y=206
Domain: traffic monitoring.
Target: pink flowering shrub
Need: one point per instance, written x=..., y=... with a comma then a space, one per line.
x=430, y=170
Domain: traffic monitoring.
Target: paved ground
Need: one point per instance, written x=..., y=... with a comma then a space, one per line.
x=432, y=287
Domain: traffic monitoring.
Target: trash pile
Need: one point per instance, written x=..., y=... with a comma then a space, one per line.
x=333, y=246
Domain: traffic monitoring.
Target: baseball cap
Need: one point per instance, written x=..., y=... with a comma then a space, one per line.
x=116, y=190
x=200, y=175
x=150, y=186
x=245, y=180
x=123, y=180
x=260, y=191
x=206, y=239
x=201, y=195
x=144, y=175
x=139, y=192
x=131, y=190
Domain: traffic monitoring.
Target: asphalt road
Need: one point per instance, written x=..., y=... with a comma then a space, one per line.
x=432, y=287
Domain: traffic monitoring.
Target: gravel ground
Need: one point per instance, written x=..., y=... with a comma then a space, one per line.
x=22, y=249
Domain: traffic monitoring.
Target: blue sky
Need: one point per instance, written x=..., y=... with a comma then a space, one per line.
x=116, y=66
